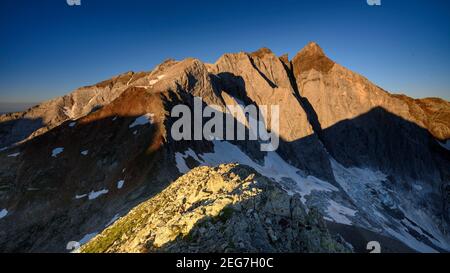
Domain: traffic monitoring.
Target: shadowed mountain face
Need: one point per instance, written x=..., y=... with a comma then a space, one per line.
x=365, y=160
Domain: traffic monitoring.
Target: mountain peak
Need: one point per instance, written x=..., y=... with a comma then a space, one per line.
x=311, y=57
x=312, y=48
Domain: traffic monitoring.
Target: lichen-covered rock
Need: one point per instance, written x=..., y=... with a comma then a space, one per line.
x=229, y=208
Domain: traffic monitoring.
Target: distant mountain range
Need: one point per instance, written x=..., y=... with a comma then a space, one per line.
x=99, y=166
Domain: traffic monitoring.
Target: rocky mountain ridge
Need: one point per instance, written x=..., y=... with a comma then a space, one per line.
x=358, y=155
x=229, y=208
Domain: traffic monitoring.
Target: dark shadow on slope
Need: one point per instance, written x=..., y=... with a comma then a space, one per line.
x=304, y=102
x=95, y=109
x=405, y=152
x=382, y=140
x=204, y=146
x=270, y=82
x=312, y=159
x=233, y=85
x=359, y=237
x=16, y=130
x=52, y=200
x=316, y=158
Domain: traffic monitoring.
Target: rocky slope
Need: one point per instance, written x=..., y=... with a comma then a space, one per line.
x=359, y=156
x=228, y=208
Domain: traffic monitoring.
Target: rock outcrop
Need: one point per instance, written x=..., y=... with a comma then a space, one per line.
x=228, y=208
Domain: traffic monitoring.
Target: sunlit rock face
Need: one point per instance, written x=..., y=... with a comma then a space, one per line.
x=351, y=157
x=229, y=208
x=336, y=94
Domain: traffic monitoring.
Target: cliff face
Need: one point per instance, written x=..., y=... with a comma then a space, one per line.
x=354, y=153
x=336, y=94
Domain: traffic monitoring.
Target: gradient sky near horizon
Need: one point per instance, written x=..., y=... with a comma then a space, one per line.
x=49, y=48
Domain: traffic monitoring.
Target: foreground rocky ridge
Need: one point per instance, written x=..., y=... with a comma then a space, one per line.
x=359, y=155
x=228, y=208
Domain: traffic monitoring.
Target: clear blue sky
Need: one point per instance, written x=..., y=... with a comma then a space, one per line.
x=48, y=48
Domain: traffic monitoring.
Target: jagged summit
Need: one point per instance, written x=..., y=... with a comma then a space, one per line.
x=312, y=48
x=311, y=57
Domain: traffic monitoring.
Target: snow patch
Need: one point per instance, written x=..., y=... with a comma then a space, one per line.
x=180, y=160
x=339, y=212
x=72, y=124
x=131, y=78
x=57, y=151
x=120, y=184
x=86, y=238
x=273, y=167
x=69, y=112
x=80, y=196
x=375, y=197
x=14, y=155
x=3, y=213
x=94, y=194
x=142, y=120
x=85, y=152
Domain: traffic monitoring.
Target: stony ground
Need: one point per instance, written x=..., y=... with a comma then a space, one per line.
x=229, y=208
